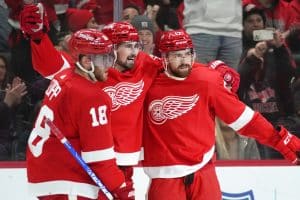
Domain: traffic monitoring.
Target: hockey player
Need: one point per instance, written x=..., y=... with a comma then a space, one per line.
x=81, y=111
x=127, y=84
x=179, y=136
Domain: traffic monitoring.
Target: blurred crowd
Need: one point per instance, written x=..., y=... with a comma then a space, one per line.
x=269, y=67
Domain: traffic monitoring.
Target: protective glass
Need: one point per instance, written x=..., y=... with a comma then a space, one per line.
x=187, y=55
x=131, y=45
x=103, y=60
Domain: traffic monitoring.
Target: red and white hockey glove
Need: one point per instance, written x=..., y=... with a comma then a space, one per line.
x=125, y=192
x=33, y=21
x=288, y=146
x=230, y=76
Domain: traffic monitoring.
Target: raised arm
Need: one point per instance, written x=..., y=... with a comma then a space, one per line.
x=247, y=122
x=46, y=59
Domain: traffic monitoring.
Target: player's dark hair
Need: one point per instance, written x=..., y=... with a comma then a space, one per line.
x=134, y=7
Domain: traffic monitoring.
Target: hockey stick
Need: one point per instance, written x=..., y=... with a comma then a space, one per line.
x=78, y=158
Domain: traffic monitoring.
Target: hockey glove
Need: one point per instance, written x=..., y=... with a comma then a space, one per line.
x=288, y=146
x=125, y=192
x=34, y=22
x=230, y=76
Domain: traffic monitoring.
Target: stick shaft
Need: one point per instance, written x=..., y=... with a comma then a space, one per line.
x=78, y=158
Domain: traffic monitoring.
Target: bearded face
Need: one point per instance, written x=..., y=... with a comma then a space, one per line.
x=180, y=62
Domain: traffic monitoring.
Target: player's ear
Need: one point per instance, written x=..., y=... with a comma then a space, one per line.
x=80, y=57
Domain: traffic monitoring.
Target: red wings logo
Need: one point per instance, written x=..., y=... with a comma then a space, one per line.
x=124, y=93
x=170, y=107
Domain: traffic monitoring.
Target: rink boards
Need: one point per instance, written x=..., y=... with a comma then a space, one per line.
x=240, y=180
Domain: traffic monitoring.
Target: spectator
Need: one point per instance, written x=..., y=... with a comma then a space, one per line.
x=165, y=13
x=279, y=13
x=5, y=28
x=163, y=16
x=146, y=33
x=10, y=97
x=4, y=77
x=63, y=44
x=129, y=12
x=25, y=115
x=232, y=146
x=74, y=19
x=20, y=61
x=266, y=72
x=21, y=66
x=86, y=4
x=296, y=94
x=295, y=4
x=216, y=32
x=229, y=144
x=104, y=11
x=292, y=41
x=60, y=6
x=56, y=9
x=79, y=19
x=253, y=19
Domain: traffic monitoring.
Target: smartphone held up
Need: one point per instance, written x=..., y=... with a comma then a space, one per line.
x=263, y=35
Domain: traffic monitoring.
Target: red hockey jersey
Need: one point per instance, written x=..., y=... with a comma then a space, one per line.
x=179, y=134
x=85, y=122
x=127, y=91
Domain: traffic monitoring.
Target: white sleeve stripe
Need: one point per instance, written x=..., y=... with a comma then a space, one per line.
x=243, y=120
x=100, y=155
x=65, y=66
x=131, y=158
